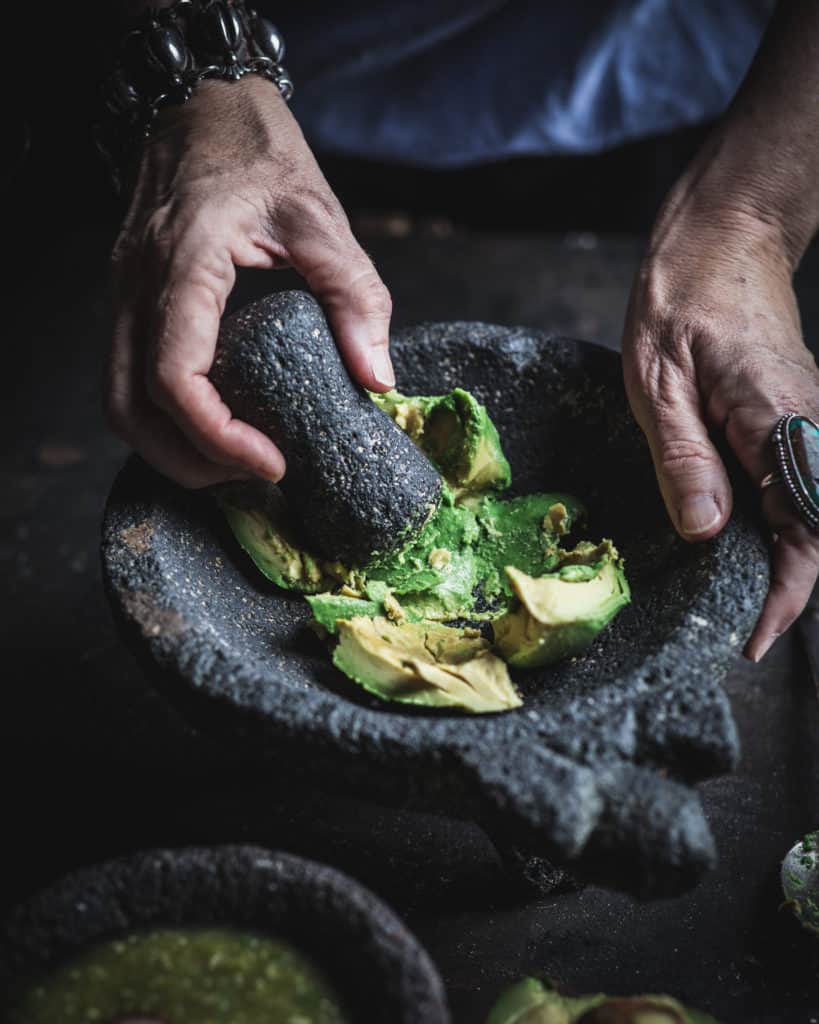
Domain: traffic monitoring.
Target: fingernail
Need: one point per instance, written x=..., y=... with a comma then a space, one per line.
x=760, y=649
x=381, y=368
x=275, y=469
x=766, y=645
x=698, y=513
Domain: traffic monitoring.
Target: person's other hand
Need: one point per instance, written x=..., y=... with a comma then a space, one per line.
x=226, y=180
x=713, y=343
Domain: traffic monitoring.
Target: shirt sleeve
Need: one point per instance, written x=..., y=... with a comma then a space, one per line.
x=456, y=83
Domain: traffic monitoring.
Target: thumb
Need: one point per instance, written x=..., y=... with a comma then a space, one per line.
x=355, y=299
x=692, y=477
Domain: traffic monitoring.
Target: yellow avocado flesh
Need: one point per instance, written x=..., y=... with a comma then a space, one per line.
x=276, y=555
x=482, y=472
x=455, y=431
x=553, y=601
x=557, y=616
x=424, y=663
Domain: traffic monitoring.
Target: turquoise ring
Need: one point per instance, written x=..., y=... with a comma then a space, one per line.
x=796, y=444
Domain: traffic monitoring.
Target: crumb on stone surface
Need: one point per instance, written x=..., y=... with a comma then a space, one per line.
x=138, y=538
x=556, y=521
x=439, y=557
x=153, y=621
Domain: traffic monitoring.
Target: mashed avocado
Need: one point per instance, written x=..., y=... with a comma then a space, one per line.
x=464, y=551
x=183, y=976
x=481, y=558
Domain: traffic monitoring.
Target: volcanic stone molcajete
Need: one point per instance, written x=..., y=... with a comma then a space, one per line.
x=356, y=484
x=595, y=771
x=375, y=965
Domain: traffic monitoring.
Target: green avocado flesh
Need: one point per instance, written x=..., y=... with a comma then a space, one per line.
x=481, y=558
x=183, y=976
x=531, y=1002
x=800, y=882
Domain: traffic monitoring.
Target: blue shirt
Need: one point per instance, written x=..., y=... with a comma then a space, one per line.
x=455, y=82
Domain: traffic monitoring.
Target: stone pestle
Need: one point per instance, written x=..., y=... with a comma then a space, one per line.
x=356, y=484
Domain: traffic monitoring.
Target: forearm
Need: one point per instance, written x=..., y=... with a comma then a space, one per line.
x=762, y=159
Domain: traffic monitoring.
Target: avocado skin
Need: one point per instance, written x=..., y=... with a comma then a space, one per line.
x=356, y=484
x=530, y=1001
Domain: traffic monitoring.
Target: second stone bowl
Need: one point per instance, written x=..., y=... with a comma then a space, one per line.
x=596, y=769
x=374, y=964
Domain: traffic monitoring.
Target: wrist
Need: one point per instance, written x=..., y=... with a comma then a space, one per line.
x=742, y=174
x=168, y=57
x=223, y=119
x=727, y=203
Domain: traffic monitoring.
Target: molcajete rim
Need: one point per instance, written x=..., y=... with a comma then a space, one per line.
x=375, y=964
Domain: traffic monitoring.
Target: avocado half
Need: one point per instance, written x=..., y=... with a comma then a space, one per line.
x=529, y=1001
x=355, y=483
x=559, y=614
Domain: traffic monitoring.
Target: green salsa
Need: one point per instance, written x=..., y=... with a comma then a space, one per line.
x=183, y=976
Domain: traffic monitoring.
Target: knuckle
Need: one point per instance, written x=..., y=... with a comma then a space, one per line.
x=684, y=456
x=652, y=290
x=324, y=205
x=157, y=232
x=748, y=428
x=209, y=276
x=674, y=312
x=677, y=332
x=371, y=296
x=659, y=364
x=311, y=208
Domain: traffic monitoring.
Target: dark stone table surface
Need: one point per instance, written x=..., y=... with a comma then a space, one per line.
x=93, y=765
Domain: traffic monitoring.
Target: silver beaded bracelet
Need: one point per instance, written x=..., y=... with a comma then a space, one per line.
x=166, y=54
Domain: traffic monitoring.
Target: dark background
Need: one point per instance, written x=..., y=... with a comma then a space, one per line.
x=91, y=763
